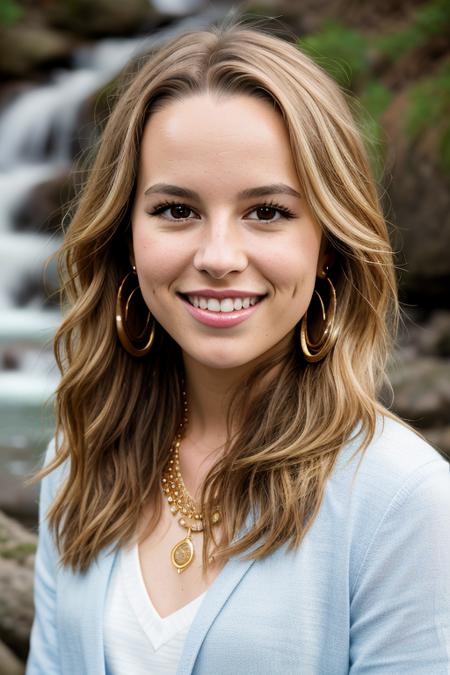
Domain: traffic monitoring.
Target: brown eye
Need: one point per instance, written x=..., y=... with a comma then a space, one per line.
x=176, y=211
x=180, y=211
x=271, y=213
x=266, y=212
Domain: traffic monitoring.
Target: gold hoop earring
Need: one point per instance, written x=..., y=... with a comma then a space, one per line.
x=135, y=340
x=314, y=351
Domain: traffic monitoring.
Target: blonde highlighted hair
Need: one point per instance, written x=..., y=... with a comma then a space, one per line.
x=117, y=415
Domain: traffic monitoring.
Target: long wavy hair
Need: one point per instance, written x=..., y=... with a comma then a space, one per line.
x=117, y=415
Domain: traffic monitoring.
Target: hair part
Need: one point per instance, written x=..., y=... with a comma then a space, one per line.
x=117, y=416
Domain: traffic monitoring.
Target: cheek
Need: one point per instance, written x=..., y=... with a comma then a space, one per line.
x=291, y=266
x=158, y=260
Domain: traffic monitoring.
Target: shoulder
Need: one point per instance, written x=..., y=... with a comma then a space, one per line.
x=398, y=482
x=389, y=501
x=395, y=456
x=52, y=482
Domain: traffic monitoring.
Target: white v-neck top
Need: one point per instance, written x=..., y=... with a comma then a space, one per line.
x=136, y=639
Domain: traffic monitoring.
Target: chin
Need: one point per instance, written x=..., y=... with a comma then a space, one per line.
x=222, y=359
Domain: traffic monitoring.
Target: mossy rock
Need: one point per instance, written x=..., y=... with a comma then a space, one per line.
x=26, y=48
x=16, y=543
x=429, y=21
x=429, y=110
x=18, y=552
x=95, y=18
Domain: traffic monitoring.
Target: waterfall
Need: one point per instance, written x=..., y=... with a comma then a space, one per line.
x=37, y=132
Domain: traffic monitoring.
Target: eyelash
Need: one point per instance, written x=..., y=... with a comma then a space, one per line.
x=286, y=213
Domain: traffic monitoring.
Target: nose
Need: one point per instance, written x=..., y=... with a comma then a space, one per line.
x=220, y=251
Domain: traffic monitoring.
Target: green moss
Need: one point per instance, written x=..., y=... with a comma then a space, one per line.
x=341, y=51
x=344, y=53
x=18, y=552
x=429, y=108
x=10, y=12
x=374, y=99
x=429, y=20
x=429, y=101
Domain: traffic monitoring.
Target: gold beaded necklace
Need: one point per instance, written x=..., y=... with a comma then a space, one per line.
x=179, y=499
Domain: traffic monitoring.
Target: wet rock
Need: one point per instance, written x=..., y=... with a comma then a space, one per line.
x=9, y=360
x=434, y=338
x=18, y=500
x=422, y=391
x=17, y=548
x=11, y=665
x=424, y=333
x=419, y=205
x=95, y=18
x=45, y=205
x=11, y=90
x=27, y=47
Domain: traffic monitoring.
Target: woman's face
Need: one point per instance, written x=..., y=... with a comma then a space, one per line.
x=225, y=248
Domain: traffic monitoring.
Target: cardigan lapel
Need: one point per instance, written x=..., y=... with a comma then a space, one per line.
x=80, y=616
x=81, y=607
x=213, y=602
x=215, y=598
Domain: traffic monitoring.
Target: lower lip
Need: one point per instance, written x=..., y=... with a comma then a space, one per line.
x=220, y=319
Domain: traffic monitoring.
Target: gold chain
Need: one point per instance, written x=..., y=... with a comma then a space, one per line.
x=180, y=500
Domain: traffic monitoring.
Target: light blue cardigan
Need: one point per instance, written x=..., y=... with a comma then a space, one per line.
x=367, y=592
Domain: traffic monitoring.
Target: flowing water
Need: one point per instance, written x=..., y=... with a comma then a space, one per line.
x=37, y=132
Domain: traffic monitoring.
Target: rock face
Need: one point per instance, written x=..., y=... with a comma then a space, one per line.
x=44, y=37
x=420, y=377
x=102, y=17
x=11, y=665
x=44, y=206
x=422, y=391
x=419, y=195
x=17, y=549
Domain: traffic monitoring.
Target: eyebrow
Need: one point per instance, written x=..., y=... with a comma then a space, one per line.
x=261, y=191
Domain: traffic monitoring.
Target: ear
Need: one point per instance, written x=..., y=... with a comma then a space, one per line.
x=327, y=257
x=131, y=253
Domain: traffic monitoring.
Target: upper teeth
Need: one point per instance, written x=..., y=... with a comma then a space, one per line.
x=225, y=305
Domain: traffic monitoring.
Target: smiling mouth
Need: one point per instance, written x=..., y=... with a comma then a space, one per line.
x=221, y=305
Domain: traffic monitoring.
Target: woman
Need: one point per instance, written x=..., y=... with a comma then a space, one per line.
x=226, y=494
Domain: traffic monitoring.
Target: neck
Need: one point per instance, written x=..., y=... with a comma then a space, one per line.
x=209, y=392
x=208, y=395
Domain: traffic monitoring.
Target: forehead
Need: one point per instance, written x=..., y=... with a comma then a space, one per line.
x=221, y=135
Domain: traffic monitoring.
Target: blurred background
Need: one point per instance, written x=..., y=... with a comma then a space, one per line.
x=59, y=63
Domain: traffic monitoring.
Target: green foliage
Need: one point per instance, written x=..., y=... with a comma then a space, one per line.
x=429, y=20
x=374, y=100
x=341, y=51
x=10, y=12
x=344, y=54
x=429, y=108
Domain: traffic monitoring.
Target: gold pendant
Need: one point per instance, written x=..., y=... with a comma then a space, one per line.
x=182, y=554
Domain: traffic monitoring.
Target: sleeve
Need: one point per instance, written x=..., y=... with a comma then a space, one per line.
x=400, y=606
x=43, y=656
